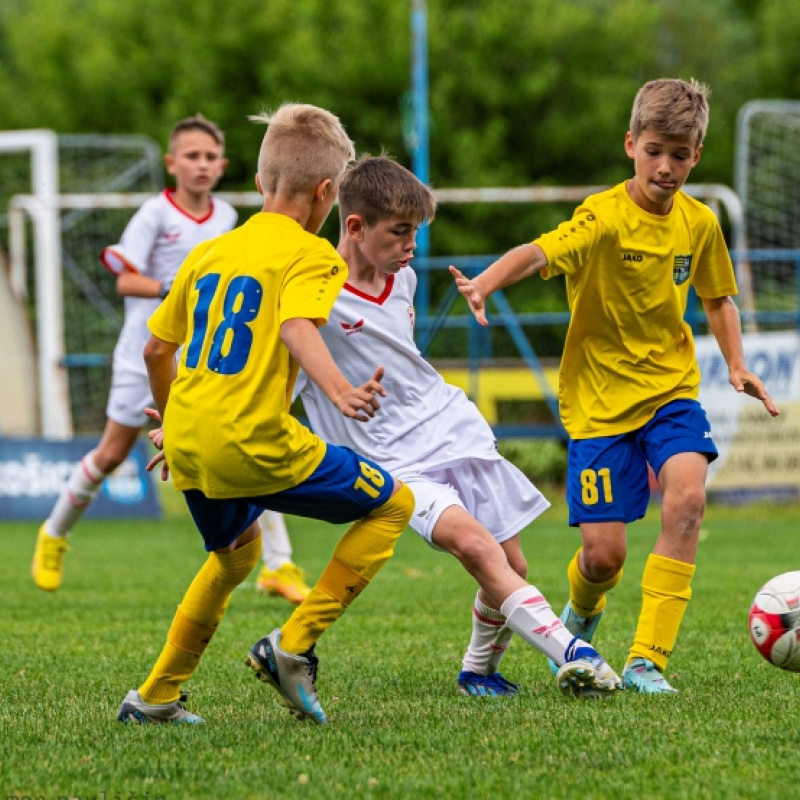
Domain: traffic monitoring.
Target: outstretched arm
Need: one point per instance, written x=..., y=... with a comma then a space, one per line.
x=723, y=319
x=512, y=267
x=307, y=346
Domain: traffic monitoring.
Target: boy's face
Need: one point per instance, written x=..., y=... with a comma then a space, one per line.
x=388, y=245
x=196, y=161
x=662, y=164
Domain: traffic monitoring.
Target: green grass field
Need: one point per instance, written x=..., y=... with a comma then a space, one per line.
x=387, y=679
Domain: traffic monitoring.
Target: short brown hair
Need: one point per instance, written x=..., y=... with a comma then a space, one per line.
x=303, y=145
x=197, y=123
x=377, y=187
x=672, y=107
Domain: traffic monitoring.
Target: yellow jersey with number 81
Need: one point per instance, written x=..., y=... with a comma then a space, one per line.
x=628, y=349
x=227, y=427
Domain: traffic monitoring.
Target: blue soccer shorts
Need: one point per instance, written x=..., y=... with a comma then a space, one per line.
x=343, y=488
x=607, y=477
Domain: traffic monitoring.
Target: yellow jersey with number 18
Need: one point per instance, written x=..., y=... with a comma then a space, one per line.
x=628, y=349
x=227, y=427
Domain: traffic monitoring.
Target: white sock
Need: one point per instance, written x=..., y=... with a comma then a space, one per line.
x=276, y=549
x=76, y=495
x=490, y=639
x=529, y=615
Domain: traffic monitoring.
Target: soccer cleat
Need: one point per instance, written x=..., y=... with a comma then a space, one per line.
x=643, y=676
x=135, y=710
x=294, y=676
x=495, y=685
x=585, y=674
x=288, y=581
x=47, y=568
x=582, y=627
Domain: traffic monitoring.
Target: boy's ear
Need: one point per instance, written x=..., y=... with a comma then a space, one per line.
x=630, y=145
x=354, y=225
x=169, y=163
x=258, y=185
x=322, y=188
x=697, y=154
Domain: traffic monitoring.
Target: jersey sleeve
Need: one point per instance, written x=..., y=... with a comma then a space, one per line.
x=312, y=285
x=137, y=241
x=170, y=321
x=714, y=276
x=570, y=245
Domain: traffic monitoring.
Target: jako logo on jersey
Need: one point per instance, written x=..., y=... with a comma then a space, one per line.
x=354, y=328
x=171, y=237
x=682, y=269
x=637, y=257
x=412, y=315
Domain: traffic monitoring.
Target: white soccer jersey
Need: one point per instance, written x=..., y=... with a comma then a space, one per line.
x=155, y=242
x=423, y=422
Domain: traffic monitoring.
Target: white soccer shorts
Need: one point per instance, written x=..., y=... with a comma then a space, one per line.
x=492, y=491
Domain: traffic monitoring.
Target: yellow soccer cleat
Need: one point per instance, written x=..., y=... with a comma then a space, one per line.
x=47, y=568
x=288, y=581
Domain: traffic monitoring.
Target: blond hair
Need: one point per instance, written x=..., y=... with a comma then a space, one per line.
x=672, y=107
x=377, y=187
x=303, y=145
x=196, y=123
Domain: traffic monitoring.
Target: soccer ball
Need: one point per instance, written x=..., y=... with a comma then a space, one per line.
x=775, y=621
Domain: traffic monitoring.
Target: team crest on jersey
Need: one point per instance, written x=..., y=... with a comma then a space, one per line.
x=412, y=315
x=682, y=269
x=356, y=327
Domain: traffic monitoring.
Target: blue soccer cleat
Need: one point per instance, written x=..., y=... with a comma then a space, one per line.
x=473, y=684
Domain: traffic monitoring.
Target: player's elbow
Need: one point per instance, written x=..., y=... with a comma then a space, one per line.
x=156, y=351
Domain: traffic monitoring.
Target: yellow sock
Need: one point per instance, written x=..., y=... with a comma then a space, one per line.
x=666, y=590
x=196, y=620
x=365, y=547
x=586, y=598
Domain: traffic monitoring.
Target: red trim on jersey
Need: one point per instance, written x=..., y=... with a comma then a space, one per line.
x=111, y=266
x=168, y=193
x=380, y=300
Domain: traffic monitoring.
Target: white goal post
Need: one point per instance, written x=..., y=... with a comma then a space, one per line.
x=42, y=207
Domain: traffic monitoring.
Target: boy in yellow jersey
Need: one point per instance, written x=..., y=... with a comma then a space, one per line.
x=629, y=377
x=245, y=307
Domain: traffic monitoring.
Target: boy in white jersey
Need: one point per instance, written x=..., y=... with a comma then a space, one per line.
x=155, y=242
x=469, y=500
x=629, y=378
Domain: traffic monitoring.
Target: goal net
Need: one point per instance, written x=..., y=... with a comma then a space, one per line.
x=92, y=311
x=767, y=181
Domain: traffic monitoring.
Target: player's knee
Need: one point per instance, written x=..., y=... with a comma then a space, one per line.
x=235, y=565
x=599, y=564
x=398, y=508
x=685, y=509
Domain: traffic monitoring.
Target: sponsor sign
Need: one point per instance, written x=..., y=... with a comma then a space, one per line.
x=32, y=472
x=759, y=457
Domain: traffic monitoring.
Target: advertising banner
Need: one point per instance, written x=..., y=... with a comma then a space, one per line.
x=32, y=472
x=759, y=457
